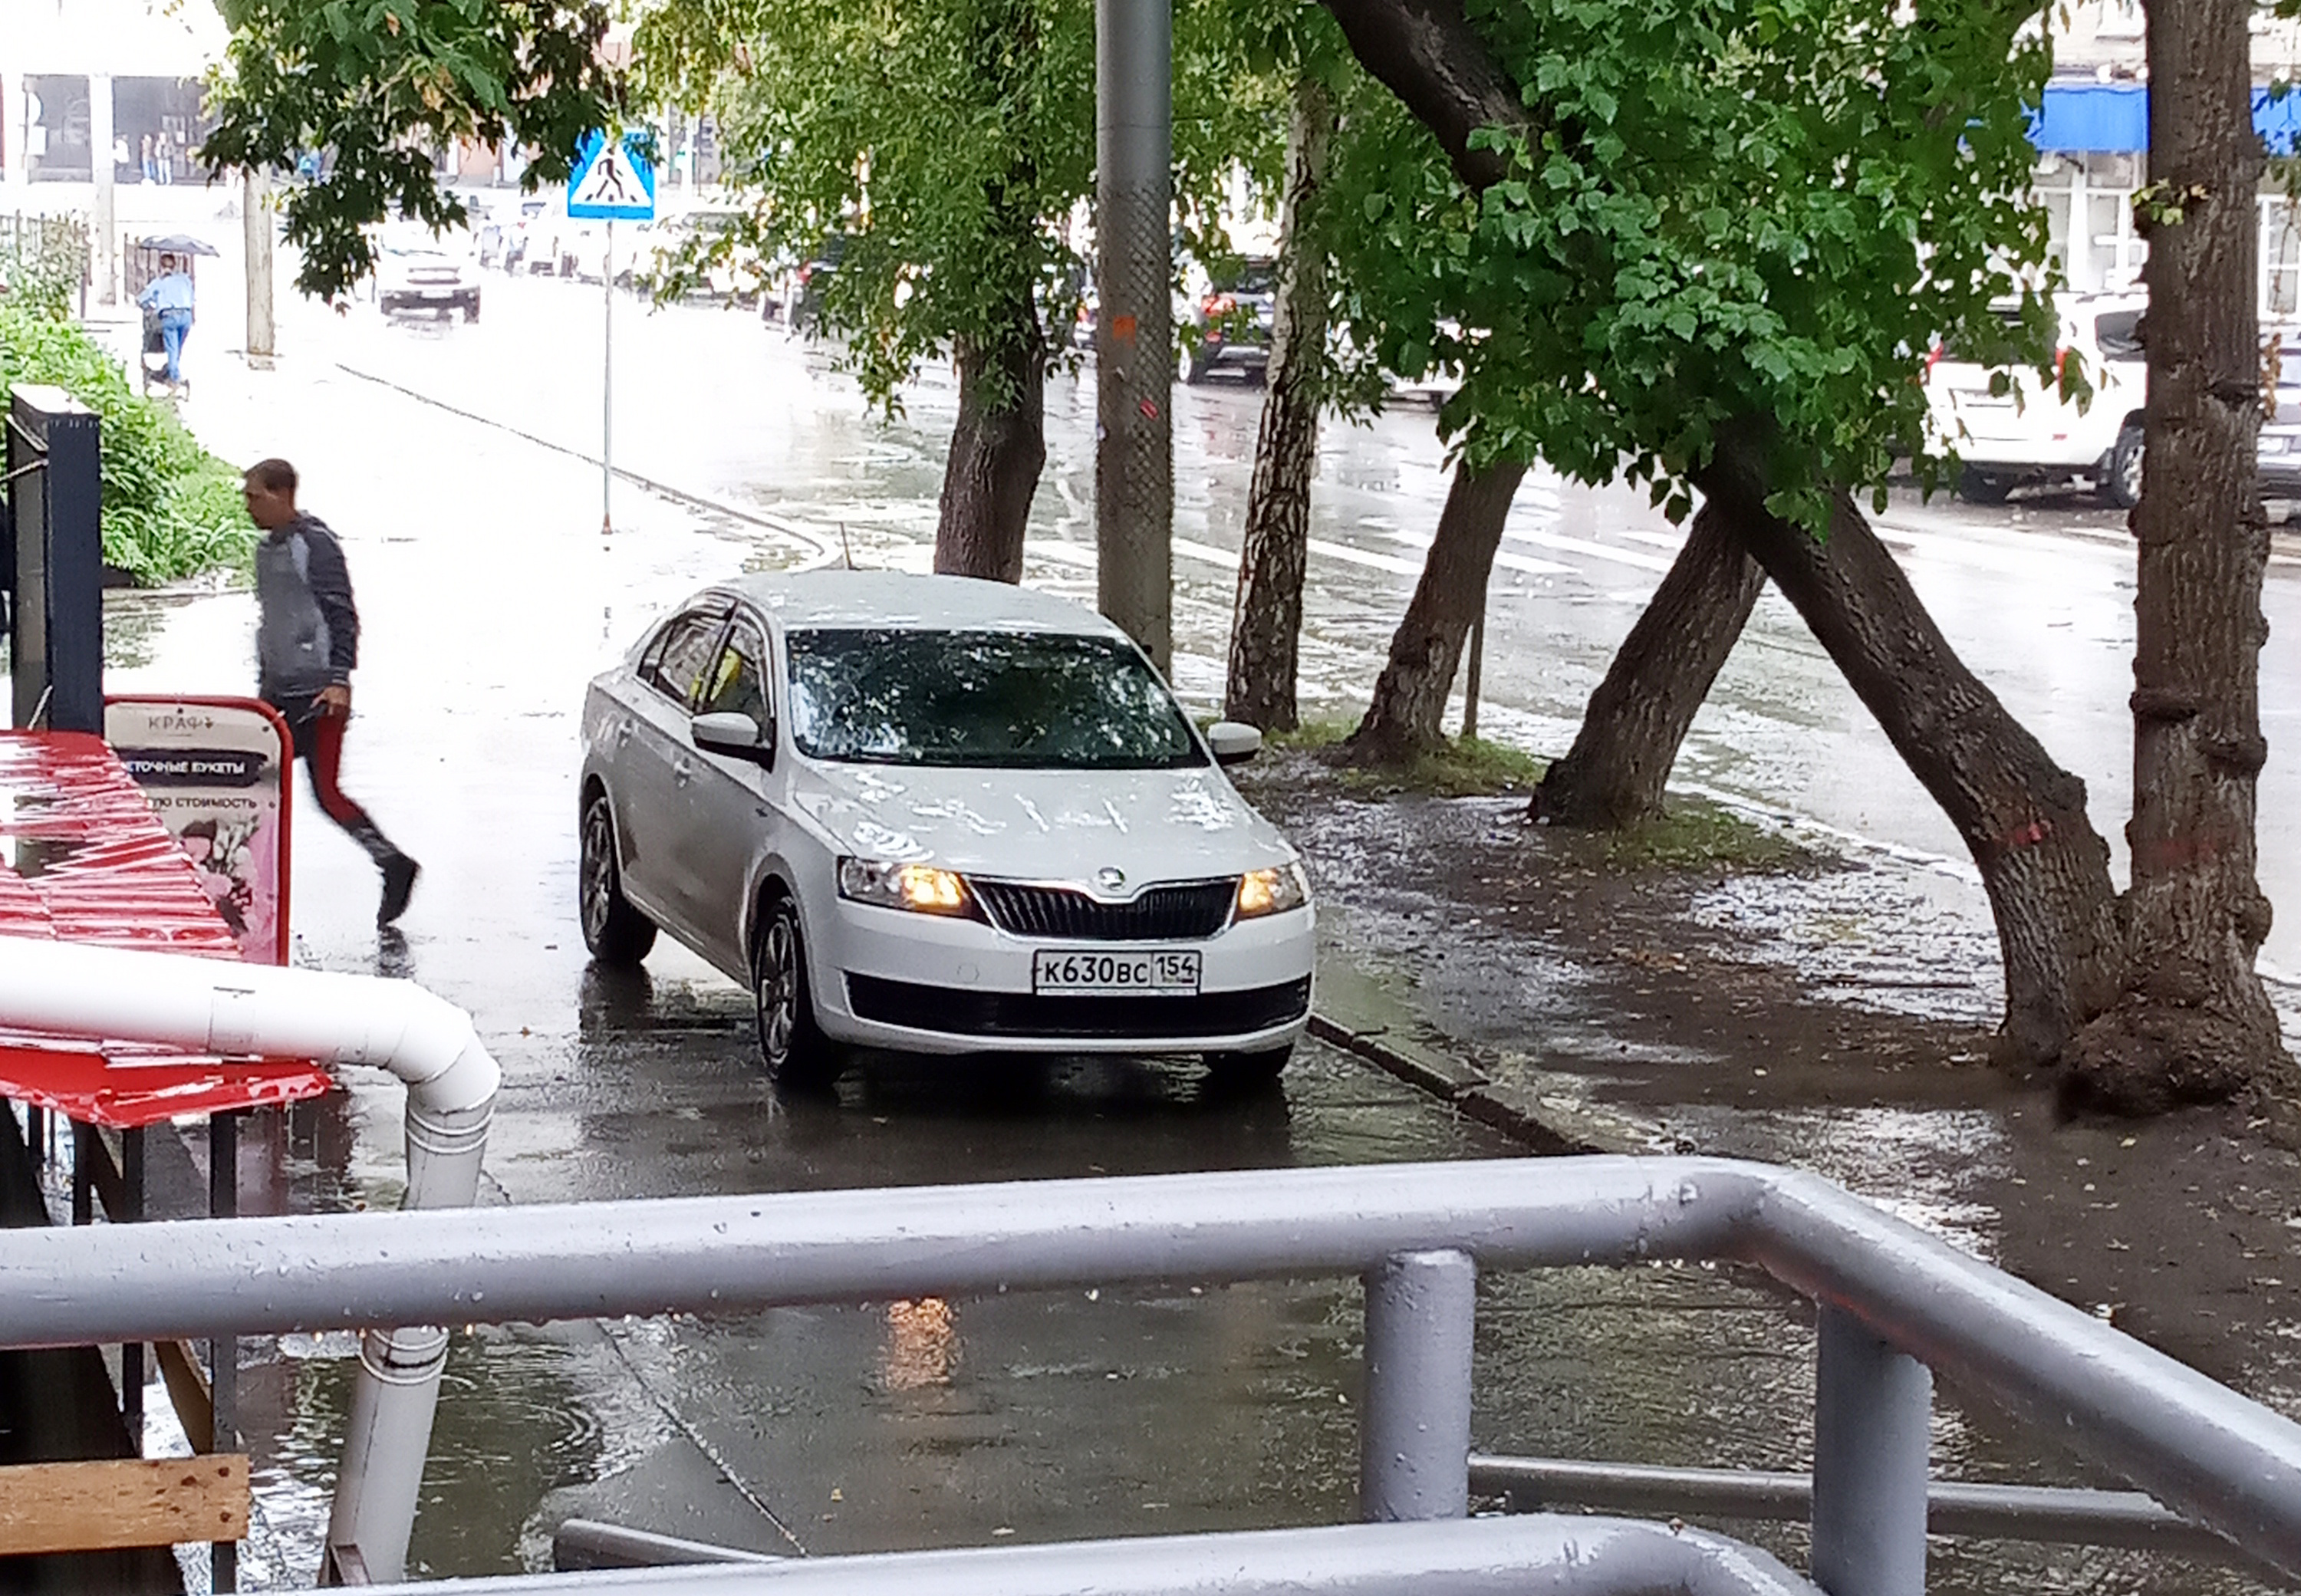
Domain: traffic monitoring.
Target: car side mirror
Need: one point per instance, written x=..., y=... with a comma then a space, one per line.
x=734, y=734
x=1233, y=742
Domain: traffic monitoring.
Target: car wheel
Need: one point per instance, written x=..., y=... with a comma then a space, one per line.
x=792, y=1048
x=2123, y=487
x=1242, y=1072
x=1983, y=487
x=471, y=311
x=617, y=934
x=1193, y=370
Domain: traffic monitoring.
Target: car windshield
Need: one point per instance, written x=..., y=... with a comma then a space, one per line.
x=1251, y=276
x=2118, y=333
x=991, y=700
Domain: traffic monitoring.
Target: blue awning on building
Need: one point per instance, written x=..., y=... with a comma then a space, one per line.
x=2112, y=119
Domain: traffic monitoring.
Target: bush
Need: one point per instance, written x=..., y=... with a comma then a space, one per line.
x=171, y=509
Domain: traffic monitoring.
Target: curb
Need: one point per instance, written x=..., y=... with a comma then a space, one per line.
x=1525, y=1116
x=1358, y=1015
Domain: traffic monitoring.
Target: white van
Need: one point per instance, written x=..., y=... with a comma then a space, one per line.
x=2030, y=433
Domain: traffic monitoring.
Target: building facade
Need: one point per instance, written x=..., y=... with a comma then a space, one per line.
x=109, y=81
x=2093, y=145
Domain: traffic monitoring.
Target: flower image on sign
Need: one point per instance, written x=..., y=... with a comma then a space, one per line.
x=216, y=772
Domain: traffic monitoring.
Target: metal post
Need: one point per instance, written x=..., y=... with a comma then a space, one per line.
x=1872, y=1430
x=1414, y=1458
x=223, y=1352
x=607, y=382
x=1477, y=669
x=100, y=168
x=53, y=455
x=1135, y=336
x=83, y=1173
x=256, y=198
x=131, y=1356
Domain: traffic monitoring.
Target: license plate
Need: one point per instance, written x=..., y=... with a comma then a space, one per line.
x=1108, y=974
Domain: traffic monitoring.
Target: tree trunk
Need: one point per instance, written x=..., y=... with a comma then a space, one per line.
x=2193, y=1022
x=2022, y=816
x=1266, y=630
x=1409, y=698
x=998, y=448
x=1613, y=775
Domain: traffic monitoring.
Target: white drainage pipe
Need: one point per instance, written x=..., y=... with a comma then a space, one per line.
x=214, y=1006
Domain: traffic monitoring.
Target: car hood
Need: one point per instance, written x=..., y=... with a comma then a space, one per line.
x=1041, y=825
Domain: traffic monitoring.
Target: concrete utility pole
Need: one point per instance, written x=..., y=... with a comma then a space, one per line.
x=256, y=207
x=105, y=224
x=1135, y=334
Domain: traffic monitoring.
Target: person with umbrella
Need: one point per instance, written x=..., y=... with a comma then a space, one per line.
x=168, y=297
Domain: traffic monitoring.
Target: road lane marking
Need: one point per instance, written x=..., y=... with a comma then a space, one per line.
x=1366, y=558
x=1596, y=551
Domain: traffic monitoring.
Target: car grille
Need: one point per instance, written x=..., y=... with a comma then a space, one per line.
x=954, y=1012
x=1177, y=911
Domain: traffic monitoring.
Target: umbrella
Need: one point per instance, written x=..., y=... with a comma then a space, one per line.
x=178, y=243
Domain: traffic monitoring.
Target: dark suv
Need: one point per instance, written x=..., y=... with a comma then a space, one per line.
x=1230, y=325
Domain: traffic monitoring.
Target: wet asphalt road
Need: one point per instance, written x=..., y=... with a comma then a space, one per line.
x=489, y=596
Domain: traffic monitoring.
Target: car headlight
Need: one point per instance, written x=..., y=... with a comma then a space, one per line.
x=1272, y=891
x=922, y=888
x=2275, y=443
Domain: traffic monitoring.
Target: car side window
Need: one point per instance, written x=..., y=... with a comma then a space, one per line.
x=675, y=667
x=738, y=682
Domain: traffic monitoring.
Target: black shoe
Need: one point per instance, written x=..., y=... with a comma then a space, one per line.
x=399, y=875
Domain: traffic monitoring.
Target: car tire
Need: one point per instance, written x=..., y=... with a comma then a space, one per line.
x=2122, y=486
x=471, y=311
x=617, y=932
x=1983, y=487
x=1245, y=1072
x=793, y=1050
x=1195, y=372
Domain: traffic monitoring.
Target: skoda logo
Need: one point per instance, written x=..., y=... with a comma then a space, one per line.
x=1110, y=879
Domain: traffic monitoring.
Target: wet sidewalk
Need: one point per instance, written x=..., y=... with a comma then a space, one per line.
x=1834, y=1015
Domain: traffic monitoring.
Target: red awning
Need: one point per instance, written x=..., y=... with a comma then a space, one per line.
x=83, y=858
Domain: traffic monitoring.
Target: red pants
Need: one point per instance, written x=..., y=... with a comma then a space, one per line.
x=320, y=744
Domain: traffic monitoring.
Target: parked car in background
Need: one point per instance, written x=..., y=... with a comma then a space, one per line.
x=423, y=275
x=726, y=270
x=937, y=815
x=2276, y=450
x=796, y=300
x=543, y=237
x=1228, y=322
x=2028, y=432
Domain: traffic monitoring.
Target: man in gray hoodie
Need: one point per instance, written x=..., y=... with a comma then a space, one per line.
x=307, y=643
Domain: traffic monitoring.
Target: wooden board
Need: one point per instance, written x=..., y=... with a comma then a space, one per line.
x=92, y=1507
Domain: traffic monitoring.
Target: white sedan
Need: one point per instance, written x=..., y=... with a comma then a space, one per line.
x=937, y=815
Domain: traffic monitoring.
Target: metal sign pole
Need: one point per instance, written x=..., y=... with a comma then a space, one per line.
x=607, y=382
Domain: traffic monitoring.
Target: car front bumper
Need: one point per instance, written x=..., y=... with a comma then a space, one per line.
x=922, y=983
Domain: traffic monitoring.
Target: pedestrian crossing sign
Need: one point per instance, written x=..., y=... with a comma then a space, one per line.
x=613, y=180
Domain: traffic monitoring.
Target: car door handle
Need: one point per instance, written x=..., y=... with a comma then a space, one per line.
x=682, y=773
x=623, y=732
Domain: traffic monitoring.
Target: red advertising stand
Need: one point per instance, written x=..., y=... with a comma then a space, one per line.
x=192, y=858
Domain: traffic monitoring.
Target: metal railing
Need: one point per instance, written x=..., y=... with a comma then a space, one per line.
x=1895, y=1303
x=1471, y=1557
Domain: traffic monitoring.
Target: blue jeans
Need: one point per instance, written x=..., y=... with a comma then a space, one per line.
x=175, y=327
